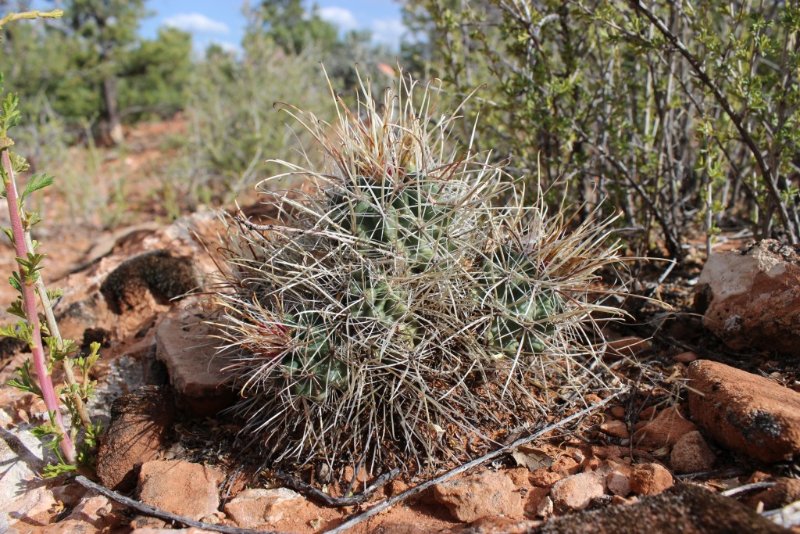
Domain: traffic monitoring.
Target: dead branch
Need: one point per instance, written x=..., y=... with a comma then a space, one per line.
x=327, y=500
x=162, y=514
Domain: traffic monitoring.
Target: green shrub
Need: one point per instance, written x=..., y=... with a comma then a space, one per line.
x=233, y=120
x=683, y=116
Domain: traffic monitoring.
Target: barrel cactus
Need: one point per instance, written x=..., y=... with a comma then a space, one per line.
x=410, y=309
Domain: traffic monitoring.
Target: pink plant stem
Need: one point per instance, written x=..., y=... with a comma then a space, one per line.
x=29, y=305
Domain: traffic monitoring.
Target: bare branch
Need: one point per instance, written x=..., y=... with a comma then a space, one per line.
x=162, y=514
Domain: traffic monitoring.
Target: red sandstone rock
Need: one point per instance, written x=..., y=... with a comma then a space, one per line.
x=565, y=465
x=617, y=411
x=685, y=357
x=618, y=483
x=138, y=431
x=615, y=428
x=691, y=454
x=745, y=412
x=608, y=451
x=754, y=297
x=664, y=430
x=180, y=487
x=545, y=507
x=488, y=494
x=187, y=347
x=534, y=501
x=544, y=477
x=93, y=514
x=256, y=508
x=577, y=491
x=650, y=479
x=84, y=306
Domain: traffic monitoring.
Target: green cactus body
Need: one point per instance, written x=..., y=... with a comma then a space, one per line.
x=411, y=221
x=310, y=366
x=402, y=217
x=522, y=309
x=422, y=219
x=389, y=295
x=380, y=301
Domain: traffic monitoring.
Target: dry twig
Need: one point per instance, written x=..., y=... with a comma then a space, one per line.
x=162, y=514
x=312, y=492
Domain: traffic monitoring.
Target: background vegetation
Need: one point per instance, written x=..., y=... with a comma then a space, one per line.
x=683, y=118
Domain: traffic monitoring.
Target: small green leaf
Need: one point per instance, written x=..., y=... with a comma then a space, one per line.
x=14, y=281
x=33, y=218
x=54, y=294
x=8, y=331
x=24, y=380
x=16, y=309
x=56, y=470
x=37, y=182
x=18, y=163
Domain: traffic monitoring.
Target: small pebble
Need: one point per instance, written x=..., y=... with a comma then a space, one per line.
x=618, y=411
x=545, y=508
x=615, y=428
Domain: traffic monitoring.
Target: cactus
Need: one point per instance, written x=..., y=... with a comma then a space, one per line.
x=523, y=312
x=377, y=317
x=402, y=215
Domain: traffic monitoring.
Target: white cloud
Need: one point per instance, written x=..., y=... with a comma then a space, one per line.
x=196, y=23
x=341, y=17
x=388, y=32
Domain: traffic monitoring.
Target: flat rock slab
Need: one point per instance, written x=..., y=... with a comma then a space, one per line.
x=180, y=487
x=23, y=499
x=744, y=412
x=187, y=347
x=259, y=507
x=683, y=509
x=487, y=494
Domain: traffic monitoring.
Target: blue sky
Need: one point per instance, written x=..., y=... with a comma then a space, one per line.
x=211, y=21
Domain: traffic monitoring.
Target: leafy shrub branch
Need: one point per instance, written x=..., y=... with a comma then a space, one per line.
x=686, y=119
x=28, y=282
